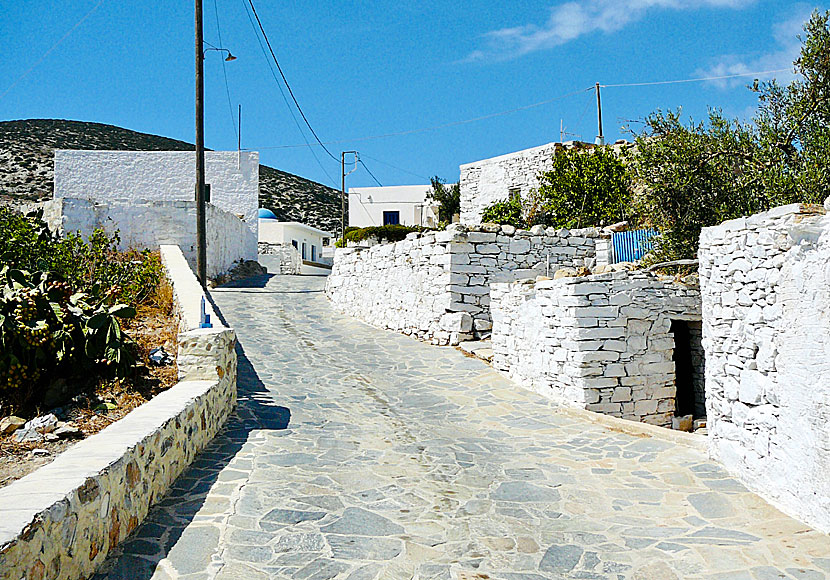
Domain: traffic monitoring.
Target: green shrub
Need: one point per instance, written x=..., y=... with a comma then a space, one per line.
x=391, y=233
x=448, y=198
x=60, y=304
x=507, y=211
x=47, y=332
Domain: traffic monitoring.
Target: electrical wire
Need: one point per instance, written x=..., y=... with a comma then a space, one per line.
x=288, y=86
x=698, y=80
x=225, y=71
x=394, y=167
x=359, y=160
x=442, y=126
x=53, y=47
x=284, y=98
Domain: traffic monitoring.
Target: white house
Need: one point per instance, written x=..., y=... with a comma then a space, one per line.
x=301, y=246
x=398, y=204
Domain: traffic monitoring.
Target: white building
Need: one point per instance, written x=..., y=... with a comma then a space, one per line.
x=398, y=204
x=499, y=178
x=148, y=197
x=301, y=246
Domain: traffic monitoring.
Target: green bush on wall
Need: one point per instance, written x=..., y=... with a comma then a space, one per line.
x=391, y=233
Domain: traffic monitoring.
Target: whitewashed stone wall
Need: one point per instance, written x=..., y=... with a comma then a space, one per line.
x=152, y=223
x=280, y=258
x=62, y=520
x=599, y=342
x=490, y=180
x=765, y=282
x=436, y=285
x=139, y=176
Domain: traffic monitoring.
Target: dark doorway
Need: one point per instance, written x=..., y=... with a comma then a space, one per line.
x=683, y=368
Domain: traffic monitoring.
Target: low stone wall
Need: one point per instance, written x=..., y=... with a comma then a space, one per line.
x=151, y=223
x=63, y=519
x=765, y=282
x=436, y=285
x=601, y=342
x=280, y=258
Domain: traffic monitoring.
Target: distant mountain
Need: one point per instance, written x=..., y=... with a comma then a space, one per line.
x=27, y=167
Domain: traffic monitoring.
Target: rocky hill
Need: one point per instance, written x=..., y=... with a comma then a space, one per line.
x=27, y=167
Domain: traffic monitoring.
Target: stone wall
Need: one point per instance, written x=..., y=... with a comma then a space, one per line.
x=490, y=180
x=152, y=223
x=600, y=342
x=63, y=519
x=765, y=283
x=100, y=176
x=436, y=285
x=280, y=258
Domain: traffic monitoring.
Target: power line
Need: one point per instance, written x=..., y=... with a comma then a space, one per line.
x=394, y=167
x=288, y=86
x=444, y=125
x=53, y=47
x=698, y=80
x=359, y=160
x=284, y=98
x=225, y=71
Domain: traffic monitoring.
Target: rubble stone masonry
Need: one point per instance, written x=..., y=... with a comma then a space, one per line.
x=765, y=283
x=436, y=285
x=600, y=342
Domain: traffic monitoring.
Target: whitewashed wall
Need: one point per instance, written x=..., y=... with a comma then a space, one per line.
x=599, y=342
x=150, y=224
x=765, y=283
x=436, y=285
x=160, y=176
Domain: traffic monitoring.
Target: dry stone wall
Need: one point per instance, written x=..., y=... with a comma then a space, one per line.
x=436, y=285
x=765, y=283
x=62, y=520
x=600, y=342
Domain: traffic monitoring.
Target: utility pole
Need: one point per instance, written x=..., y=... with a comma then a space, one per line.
x=201, y=243
x=343, y=175
x=600, y=138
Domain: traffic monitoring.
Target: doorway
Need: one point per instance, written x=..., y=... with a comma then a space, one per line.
x=688, y=368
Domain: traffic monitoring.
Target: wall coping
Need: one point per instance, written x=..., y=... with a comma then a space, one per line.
x=187, y=291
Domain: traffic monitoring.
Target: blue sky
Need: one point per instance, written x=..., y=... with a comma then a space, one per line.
x=361, y=69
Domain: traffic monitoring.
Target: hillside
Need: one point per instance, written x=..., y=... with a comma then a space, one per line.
x=27, y=167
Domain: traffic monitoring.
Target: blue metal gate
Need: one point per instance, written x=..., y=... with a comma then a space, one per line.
x=632, y=246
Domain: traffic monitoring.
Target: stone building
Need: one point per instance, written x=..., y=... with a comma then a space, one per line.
x=498, y=178
x=765, y=284
x=622, y=344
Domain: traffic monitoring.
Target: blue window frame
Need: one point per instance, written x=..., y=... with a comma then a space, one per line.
x=391, y=218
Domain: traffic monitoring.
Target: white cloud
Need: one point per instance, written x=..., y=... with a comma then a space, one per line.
x=785, y=50
x=573, y=19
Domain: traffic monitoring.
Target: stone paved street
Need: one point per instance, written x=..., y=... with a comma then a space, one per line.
x=362, y=454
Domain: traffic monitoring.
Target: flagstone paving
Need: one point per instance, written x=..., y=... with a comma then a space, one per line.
x=361, y=454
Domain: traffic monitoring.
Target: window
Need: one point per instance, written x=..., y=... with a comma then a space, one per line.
x=326, y=242
x=391, y=218
x=294, y=243
x=313, y=253
x=514, y=193
x=304, y=252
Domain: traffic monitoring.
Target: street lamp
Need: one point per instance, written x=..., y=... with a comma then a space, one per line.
x=201, y=240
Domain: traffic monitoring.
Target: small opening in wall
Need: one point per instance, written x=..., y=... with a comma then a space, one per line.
x=688, y=368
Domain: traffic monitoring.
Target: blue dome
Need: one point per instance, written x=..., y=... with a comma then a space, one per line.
x=266, y=214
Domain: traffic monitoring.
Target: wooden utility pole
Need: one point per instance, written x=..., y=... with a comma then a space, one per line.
x=201, y=241
x=600, y=138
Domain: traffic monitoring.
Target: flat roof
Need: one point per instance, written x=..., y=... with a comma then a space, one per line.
x=300, y=225
x=393, y=193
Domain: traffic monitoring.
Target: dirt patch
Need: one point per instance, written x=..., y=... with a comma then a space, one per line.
x=104, y=403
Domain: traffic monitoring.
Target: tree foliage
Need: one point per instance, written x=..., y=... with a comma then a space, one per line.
x=689, y=176
x=508, y=211
x=447, y=197
x=584, y=188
